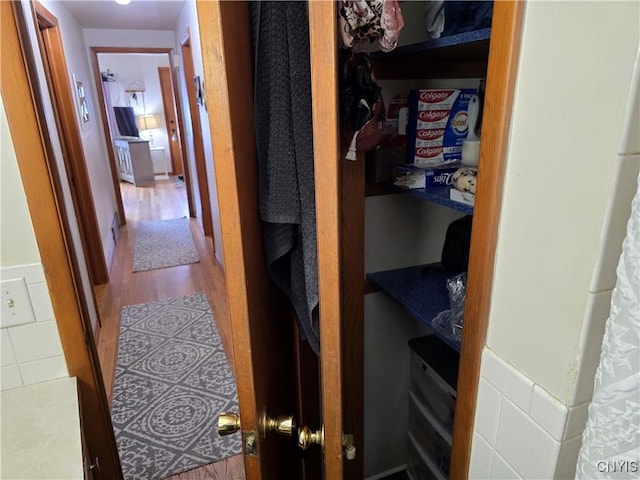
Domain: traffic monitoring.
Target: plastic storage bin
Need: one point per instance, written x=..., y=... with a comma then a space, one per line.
x=432, y=439
x=434, y=376
x=419, y=467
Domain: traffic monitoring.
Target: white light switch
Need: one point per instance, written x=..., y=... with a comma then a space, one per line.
x=16, y=303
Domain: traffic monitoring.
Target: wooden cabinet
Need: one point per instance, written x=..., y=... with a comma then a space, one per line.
x=134, y=161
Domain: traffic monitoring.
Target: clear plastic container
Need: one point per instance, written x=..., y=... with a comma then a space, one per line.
x=427, y=384
x=419, y=467
x=429, y=435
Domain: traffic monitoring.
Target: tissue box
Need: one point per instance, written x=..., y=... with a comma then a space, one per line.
x=411, y=176
x=437, y=125
x=440, y=176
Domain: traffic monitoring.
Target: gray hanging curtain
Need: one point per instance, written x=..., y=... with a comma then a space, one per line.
x=284, y=140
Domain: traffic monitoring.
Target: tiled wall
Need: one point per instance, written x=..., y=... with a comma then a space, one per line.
x=521, y=431
x=31, y=350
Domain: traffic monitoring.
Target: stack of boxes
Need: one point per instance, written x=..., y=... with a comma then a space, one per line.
x=436, y=128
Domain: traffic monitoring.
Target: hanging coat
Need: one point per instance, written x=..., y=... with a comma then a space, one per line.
x=284, y=141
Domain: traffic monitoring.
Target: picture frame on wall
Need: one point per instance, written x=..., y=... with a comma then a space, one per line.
x=81, y=100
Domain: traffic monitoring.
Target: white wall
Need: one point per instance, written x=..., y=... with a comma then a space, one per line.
x=189, y=20
x=573, y=161
x=571, y=94
x=100, y=37
x=93, y=143
x=31, y=351
x=18, y=245
x=51, y=131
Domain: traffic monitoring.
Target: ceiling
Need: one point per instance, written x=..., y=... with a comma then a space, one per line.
x=138, y=15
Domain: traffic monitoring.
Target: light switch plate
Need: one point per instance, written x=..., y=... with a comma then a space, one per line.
x=16, y=303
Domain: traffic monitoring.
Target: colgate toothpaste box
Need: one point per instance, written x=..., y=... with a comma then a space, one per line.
x=437, y=125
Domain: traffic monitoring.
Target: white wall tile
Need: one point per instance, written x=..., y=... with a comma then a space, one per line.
x=576, y=420
x=10, y=378
x=43, y=370
x=488, y=406
x=501, y=470
x=8, y=357
x=41, y=301
x=614, y=225
x=35, y=341
x=597, y=311
x=509, y=381
x=32, y=273
x=568, y=458
x=481, y=458
x=530, y=450
x=548, y=412
x=630, y=138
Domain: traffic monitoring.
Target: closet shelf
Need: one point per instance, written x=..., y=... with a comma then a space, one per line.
x=421, y=291
x=457, y=56
x=441, y=197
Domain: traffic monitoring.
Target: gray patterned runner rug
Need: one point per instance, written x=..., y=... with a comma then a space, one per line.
x=172, y=380
x=163, y=243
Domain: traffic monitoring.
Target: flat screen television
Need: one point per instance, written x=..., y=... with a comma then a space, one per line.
x=126, y=121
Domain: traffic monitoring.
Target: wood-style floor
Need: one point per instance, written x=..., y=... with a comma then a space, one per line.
x=165, y=201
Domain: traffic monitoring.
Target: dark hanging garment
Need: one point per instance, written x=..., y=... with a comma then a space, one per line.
x=284, y=141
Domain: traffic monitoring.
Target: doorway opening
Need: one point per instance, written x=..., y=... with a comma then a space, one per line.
x=50, y=43
x=137, y=97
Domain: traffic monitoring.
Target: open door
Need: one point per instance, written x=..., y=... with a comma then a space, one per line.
x=264, y=334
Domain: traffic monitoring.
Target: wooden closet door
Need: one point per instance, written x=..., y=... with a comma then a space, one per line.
x=265, y=360
x=340, y=221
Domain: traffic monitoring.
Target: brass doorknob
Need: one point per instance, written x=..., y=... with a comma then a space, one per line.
x=306, y=437
x=228, y=423
x=282, y=424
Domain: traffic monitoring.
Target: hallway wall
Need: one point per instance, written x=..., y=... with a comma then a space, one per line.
x=93, y=143
x=189, y=20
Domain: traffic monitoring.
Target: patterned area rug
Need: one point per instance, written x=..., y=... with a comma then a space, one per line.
x=172, y=380
x=163, y=243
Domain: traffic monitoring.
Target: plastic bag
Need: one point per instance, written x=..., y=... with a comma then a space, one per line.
x=449, y=322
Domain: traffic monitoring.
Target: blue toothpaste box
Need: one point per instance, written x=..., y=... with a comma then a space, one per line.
x=437, y=125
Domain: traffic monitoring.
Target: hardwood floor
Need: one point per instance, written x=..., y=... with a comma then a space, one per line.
x=165, y=201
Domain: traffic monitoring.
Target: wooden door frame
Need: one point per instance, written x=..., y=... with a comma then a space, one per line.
x=19, y=85
x=64, y=106
x=115, y=177
x=340, y=255
x=506, y=32
x=338, y=238
x=227, y=69
x=198, y=145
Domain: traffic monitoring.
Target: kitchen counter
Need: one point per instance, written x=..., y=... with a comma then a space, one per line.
x=41, y=431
